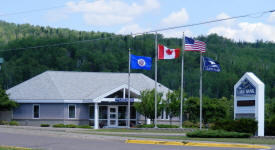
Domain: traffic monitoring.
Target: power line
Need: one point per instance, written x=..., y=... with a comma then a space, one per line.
x=152, y=31
x=31, y=11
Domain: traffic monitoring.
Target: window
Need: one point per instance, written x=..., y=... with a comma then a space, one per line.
x=133, y=113
x=92, y=112
x=103, y=112
x=71, y=111
x=36, y=111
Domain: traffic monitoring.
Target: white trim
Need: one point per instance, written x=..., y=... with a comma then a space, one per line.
x=54, y=101
x=38, y=111
x=98, y=99
x=113, y=100
x=69, y=111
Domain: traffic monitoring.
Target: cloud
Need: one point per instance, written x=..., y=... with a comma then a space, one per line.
x=271, y=18
x=57, y=15
x=133, y=28
x=226, y=22
x=111, y=12
x=177, y=33
x=176, y=18
x=245, y=31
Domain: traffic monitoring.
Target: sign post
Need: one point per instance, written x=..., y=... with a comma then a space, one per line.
x=249, y=100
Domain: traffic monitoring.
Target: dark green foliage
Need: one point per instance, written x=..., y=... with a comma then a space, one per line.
x=159, y=126
x=212, y=109
x=217, y=134
x=5, y=102
x=270, y=126
x=13, y=123
x=240, y=125
x=44, y=125
x=111, y=55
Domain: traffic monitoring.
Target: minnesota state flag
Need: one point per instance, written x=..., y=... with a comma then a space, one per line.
x=140, y=62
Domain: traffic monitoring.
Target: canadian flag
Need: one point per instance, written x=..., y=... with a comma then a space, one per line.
x=167, y=53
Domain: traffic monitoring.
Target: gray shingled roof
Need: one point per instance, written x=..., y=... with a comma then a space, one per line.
x=69, y=85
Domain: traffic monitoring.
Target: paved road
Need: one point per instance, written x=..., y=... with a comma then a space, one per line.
x=50, y=140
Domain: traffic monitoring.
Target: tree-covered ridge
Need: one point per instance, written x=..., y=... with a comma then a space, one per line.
x=111, y=55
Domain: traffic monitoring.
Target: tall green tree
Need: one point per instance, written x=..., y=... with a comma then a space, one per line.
x=172, y=104
x=5, y=102
x=212, y=109
x=147, y=105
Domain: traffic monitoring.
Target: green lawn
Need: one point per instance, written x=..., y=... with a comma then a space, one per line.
x=13, y=148
x=138, y=130
x=230, y=140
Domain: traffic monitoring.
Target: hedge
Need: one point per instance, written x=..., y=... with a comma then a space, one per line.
x=270, y=126
x=217, y=134
x=44, y=125
x=70, y=126
x=159, y=126
x=240, y=125
x=13, y=123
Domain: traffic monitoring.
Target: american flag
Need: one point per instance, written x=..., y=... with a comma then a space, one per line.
x=194, y=45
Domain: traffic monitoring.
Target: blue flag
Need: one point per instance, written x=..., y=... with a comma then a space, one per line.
x=140, y=62
x=211, y=65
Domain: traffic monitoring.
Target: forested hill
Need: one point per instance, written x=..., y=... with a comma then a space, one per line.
x=111, y=55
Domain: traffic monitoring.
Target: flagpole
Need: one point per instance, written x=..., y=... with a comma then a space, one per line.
x=201, y=90
x=182, y=73
x=129, y=100
x=156, y=71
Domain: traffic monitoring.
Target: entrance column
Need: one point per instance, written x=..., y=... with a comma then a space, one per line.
x=96, y=116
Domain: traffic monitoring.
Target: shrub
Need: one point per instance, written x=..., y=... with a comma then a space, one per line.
x=159, y=126
x=65, y=125
x=188, y=124
x=217, y=134
x=59, y=125
x=270, y=126
x=167, y=126
x=84, y=126
x=44, y=125
x=146, y=126
x=240, y=125
x=3, y=122
x=13, y=123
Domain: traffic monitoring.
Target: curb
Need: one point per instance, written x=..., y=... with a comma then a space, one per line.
x=196, y=144
x=19, y=148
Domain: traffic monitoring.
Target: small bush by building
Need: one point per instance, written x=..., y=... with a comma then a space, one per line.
x=13, y=123
x=59, y=125
x=68, y=126
x=3, y=122
x=159, y=126
x=44, y=125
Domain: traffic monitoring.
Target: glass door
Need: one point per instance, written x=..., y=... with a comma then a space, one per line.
x=112, y=120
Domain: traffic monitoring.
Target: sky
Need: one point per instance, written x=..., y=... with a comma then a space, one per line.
x=136, y=16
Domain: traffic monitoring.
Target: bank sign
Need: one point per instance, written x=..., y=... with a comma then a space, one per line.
x=123, y=99
x=246, y=89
